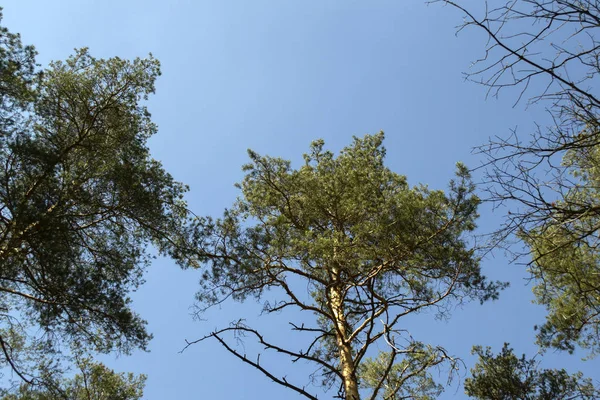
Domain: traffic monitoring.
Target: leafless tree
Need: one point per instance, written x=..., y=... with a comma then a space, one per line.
x=547, y=51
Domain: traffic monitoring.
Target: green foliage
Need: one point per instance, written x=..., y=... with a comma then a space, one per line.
x=80, y=200
x=508, y=377
x=94, y=381
x=349, y=212
x=408, y=379
x=349, y=241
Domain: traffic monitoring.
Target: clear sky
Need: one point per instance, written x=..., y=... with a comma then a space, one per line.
x=273, y=75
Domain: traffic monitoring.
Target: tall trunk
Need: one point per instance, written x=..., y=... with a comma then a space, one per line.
x=345, y=349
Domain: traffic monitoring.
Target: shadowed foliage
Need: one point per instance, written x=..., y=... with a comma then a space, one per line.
x=508, y=377
x=80, y=201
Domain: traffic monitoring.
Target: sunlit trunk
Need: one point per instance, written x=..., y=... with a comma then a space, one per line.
x=345, y=349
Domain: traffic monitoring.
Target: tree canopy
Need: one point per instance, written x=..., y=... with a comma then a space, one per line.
x=508, y=377
x=94, y=381
x=80, y=200
x=349, y=243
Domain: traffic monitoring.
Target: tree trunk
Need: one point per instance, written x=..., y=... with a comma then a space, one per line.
x=345, y=349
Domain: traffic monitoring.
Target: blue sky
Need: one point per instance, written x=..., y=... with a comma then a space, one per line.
x=273, y=76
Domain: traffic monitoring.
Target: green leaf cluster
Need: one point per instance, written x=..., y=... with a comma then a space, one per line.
x=94, y=381
x=409, y=378
x=349, y=214
x=508, y=377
